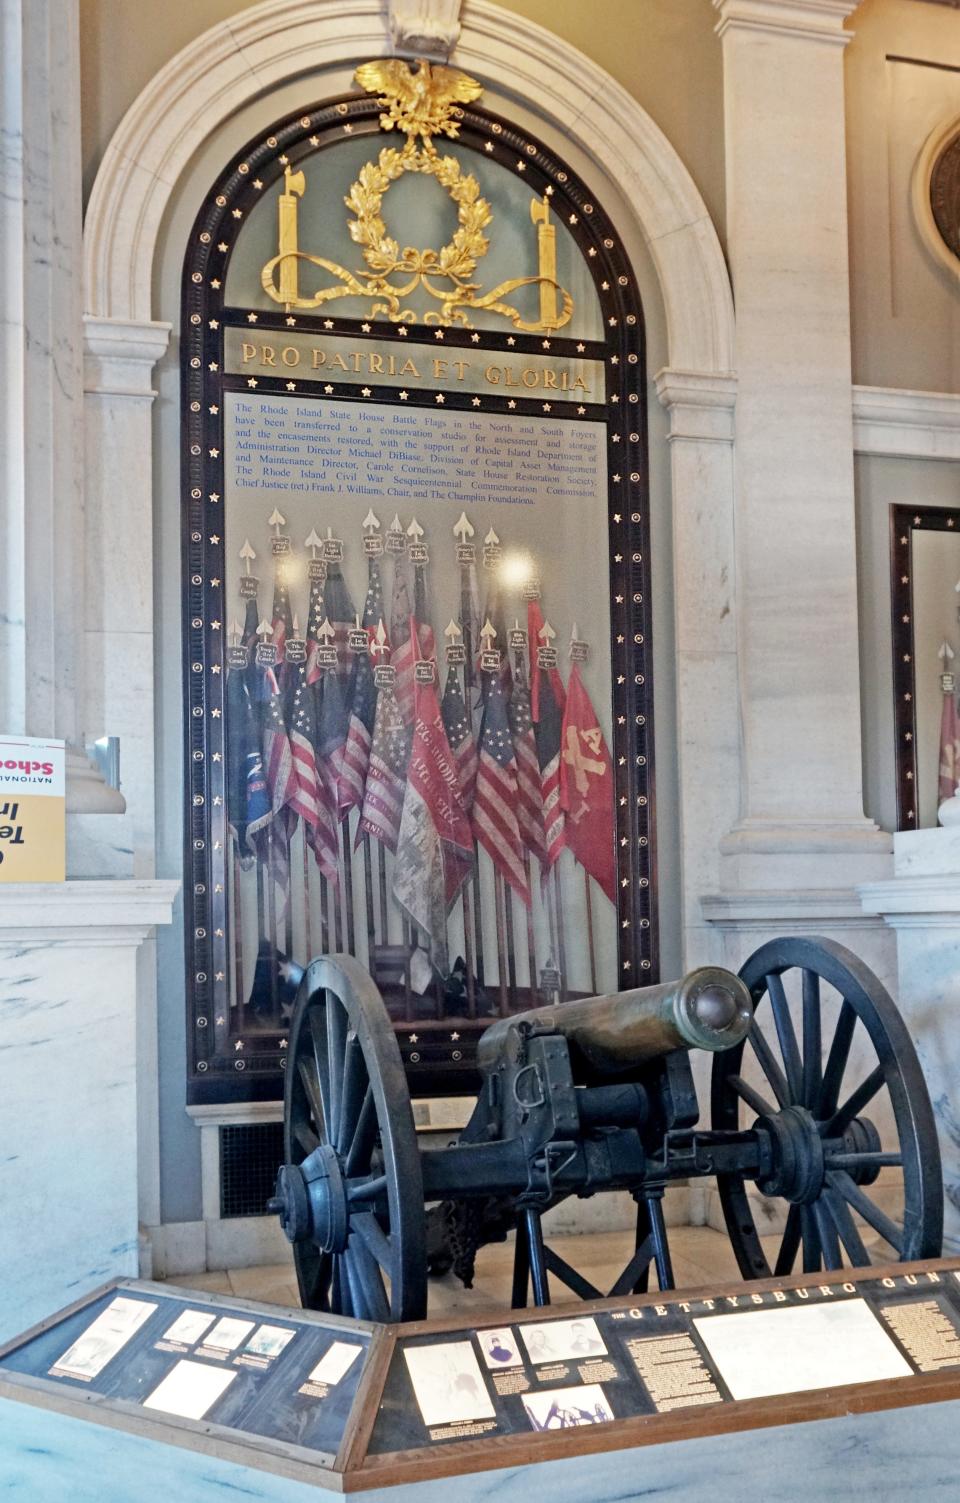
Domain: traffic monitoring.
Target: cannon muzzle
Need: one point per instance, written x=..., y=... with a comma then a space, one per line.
x=709, y=1008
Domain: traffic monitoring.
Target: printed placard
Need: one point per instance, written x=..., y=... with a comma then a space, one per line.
x=103, y=1339
x=190, y=1389
x=33, y=839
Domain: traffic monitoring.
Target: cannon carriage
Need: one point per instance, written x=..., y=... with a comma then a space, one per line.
x=817, y=1101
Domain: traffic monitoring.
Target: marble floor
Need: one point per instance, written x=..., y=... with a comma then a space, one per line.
x=701, y=1256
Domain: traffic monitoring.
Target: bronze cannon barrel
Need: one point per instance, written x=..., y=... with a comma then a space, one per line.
x=709, y=1008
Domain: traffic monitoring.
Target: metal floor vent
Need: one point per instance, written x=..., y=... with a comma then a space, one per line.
x=250, y=1155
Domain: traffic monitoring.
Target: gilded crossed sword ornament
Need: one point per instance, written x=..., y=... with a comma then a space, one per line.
x=420, y=106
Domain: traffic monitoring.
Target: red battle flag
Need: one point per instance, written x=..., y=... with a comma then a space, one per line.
x=586, y=786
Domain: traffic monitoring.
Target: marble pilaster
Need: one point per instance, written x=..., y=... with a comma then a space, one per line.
x=801, y=820
x=41, y=418
x=922, y=905
x=68, y=1105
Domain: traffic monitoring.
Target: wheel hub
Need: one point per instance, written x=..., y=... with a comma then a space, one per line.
x=797, y=1167
x=311, y=1201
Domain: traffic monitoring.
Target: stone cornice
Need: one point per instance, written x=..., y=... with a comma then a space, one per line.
x=906, y=424
x=109, y=912
x=701, y=407
x=807, y=20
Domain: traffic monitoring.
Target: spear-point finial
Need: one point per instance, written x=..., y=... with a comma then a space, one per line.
x=462, y=528
x=265, y=629
x=491, y=538
x=546, y=633
x=296, y=626
x=379, y=644
x=453, y=630
x=945, y=652
x=247, y=553
x=396, y=525
x=414, y=530
x=276, y=520
x=487, y=632
x=371, y=522
x=574, y=633
x=325, y=632
x=313, y=542
x=236, y=631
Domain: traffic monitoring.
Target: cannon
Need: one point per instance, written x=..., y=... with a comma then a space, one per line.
x=817, y=1101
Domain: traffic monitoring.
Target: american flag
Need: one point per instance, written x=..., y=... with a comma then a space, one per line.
x=495, y=798
x=529, y=788
x=277, y=759
x=316, y=615
x=363, y=704
x=331, y=735
x=302, y=720
x=248, y=807
x=547, y=702
x=282, y=622
x=403, y=654
x=434, y=846
x=460, y=735
x=386, y=773
x=340, y=614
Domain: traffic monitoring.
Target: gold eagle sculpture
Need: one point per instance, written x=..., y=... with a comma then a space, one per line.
x=418, y=104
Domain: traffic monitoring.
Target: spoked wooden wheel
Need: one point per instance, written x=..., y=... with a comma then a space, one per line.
x=350, y=1195
x=809, y=1103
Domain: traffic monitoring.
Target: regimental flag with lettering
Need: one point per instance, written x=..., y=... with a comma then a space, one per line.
x=586, y=787
x=341, y=615
x=386, y=772
x=331, y=736
x=495, y=797
x=434, y=846
x=547, y=699
x=403, y=654
x=362, y=702
x=316, y=615
x=460, y=735
x=529, y=789
x=949, y=744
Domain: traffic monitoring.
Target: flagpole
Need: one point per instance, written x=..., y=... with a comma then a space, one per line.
x=558, y=921
x=466, y=556
x=518, y=663
x=307, y=917
x=593, y=960
x=238, y=979
x=501, y=967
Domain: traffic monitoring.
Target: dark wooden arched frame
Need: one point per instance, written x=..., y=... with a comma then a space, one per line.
x=251, y=1069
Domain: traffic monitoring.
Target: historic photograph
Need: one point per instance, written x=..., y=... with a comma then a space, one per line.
x=561, y=1340
x=448, y=1383
x=564, y=1408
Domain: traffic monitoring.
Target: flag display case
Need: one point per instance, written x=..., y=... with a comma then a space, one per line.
x=417, y=667
x=925, y=609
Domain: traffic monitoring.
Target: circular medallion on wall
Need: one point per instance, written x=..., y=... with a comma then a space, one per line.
x=936, y=195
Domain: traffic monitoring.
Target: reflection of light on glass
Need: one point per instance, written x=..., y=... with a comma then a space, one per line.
x=516, y=567
x=294, y=571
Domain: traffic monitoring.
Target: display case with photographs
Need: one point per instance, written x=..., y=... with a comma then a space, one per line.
x=417, y=663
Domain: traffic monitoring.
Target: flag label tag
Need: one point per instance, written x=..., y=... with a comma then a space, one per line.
x=517, y=638
x=492, y=554
x=579, y=652
x=423, y=671
x=237, y=657
x=546, y=657
x=333, y=550
x=466, y=553
x=357, y=639
x=373, y=545
x=384, y=675
x=531, y=590
x=396, y=541
x=456, y=653
x=317, y=570
x=266, y=655
x=280, y=547
x=948, y=682
x=248, y=587
x=419, y=553
x=490, y=660
x=295, y=650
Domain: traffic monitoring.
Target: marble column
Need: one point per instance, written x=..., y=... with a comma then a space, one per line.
x=68, y=1104
x=42, y=575
x=701, y=409
x=922, y=905
x=801, y=820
